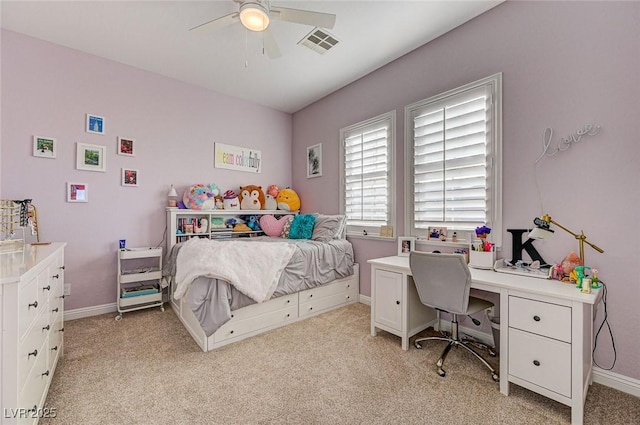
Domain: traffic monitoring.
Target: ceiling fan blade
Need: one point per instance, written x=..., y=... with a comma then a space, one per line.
x=223, y=21
x=306, y=17
x=270, y=45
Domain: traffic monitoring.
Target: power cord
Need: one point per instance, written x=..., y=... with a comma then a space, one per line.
x=605, y=320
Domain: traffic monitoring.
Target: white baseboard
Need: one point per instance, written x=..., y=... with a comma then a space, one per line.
x=365, y=299
x=96, y=310
x=616, y=381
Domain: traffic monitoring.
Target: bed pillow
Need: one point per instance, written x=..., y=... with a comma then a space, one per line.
x=287, y=227
x=272, y=226
x=302, y=226
x=328, y=227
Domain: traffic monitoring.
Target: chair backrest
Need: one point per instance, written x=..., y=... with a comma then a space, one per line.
x=442, y=280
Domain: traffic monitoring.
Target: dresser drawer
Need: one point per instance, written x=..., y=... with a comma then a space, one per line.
x=55, y=338
x=326, y=290
x=275, y=304
x=28, y=305
x=235, y=328
x=32, y=347
x=550, y=320
x=325, y=303
x=542, y=361
x=33, y=390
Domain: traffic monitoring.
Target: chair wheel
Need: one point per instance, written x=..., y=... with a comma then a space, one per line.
x=492, y=352
x=441, y=372
x=118, y=317
x=495, y=377
x=439, y=363
x=417, y=345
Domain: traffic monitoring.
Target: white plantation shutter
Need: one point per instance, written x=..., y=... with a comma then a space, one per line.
x=453, y=168
x=367, y=163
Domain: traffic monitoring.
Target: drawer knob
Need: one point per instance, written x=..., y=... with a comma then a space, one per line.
x=62, y=296
x=55, y=348
x=55, y=310
x=45, y=373
x=231, y=332
x=46, y=328
x=537, y=363
x=61, y=330
x=398, y=302
x=310, y=308
x=56, y=276
x=310, y=295
x=46, y=288
x=34, y=353
x=288, y=315
x=232, y=316
x=536, y=318
x=34, y=305
x=61, y=267
x=288, y=301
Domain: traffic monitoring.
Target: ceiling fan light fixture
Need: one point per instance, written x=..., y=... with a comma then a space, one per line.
x=254, y=16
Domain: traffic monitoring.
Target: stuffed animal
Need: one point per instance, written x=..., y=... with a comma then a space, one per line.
x=252, y=222
x=270, y=198
x=201, y=197
x=219, y=202
x=251, y=198
x=230, y=200
x=288, y=200
x=201, y=225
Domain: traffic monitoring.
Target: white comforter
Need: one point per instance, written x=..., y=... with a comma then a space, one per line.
x=252, y=268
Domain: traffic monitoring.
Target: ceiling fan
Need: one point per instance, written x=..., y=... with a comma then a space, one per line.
x=255, y=15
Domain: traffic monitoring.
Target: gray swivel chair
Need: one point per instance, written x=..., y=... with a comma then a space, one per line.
x=443, y=282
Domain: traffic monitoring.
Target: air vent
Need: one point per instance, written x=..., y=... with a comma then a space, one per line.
x=319, y=40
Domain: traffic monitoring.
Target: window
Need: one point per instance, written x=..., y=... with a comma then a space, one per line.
x=454, y=160
x=367, y=170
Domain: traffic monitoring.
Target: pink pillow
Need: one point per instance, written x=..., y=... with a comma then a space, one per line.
x=272, y=226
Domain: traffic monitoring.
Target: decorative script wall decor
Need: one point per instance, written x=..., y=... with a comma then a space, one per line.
x=565, y=142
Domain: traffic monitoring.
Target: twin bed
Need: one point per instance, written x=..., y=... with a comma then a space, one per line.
x=226, y=291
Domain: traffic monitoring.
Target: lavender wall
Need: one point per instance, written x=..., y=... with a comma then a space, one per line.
x=48, y=89
x=564, y=64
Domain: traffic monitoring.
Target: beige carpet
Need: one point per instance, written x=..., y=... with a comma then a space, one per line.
x=146, y=369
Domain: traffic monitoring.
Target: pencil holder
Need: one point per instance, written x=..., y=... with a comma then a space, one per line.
x=482, y=259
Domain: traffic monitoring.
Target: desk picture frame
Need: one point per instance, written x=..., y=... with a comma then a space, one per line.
x=406, y=244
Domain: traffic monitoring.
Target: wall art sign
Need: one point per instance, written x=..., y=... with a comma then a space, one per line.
x=44, y=147
x=126, y=146
x=95, y=124
x=565, y=142
x=91, y=157
x=314, y=161
x=77, y=192
x=237, y=158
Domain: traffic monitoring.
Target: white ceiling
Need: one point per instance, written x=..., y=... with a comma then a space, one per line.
x=155, y=36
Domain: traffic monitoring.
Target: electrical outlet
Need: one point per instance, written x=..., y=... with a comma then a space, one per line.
x=67, y=289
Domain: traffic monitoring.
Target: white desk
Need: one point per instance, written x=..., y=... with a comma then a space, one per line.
x=546, y=327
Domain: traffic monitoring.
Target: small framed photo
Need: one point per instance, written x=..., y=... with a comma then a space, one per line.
x=95, y=124
x=125, y=146
x=91, y=157
x=437, y=234
x=129, y=177
x=406, y=244
x=314, y=161
x=44, y=147
x=77, y=192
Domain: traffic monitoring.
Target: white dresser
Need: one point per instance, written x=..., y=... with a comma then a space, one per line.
x=31, y=319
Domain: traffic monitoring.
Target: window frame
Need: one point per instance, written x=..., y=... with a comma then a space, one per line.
x=494, y=159
x=372, y=231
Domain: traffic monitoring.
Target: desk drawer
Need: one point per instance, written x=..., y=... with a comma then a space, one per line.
x=550, y=320
x=542, y=361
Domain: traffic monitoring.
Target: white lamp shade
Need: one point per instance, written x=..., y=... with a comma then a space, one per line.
x=254, y=17
x=539, y=233
x=172, y=192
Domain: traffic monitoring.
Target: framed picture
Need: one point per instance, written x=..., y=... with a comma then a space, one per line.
x=129, y=177
x=95, y=124
x=44, y=147
x=437, y=234
x=125, y=146
x=406, y=244
x=77, y=192
x=91, y=157
x=314, y=161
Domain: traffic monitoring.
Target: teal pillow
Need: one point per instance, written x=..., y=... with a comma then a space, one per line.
x=302, y=226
